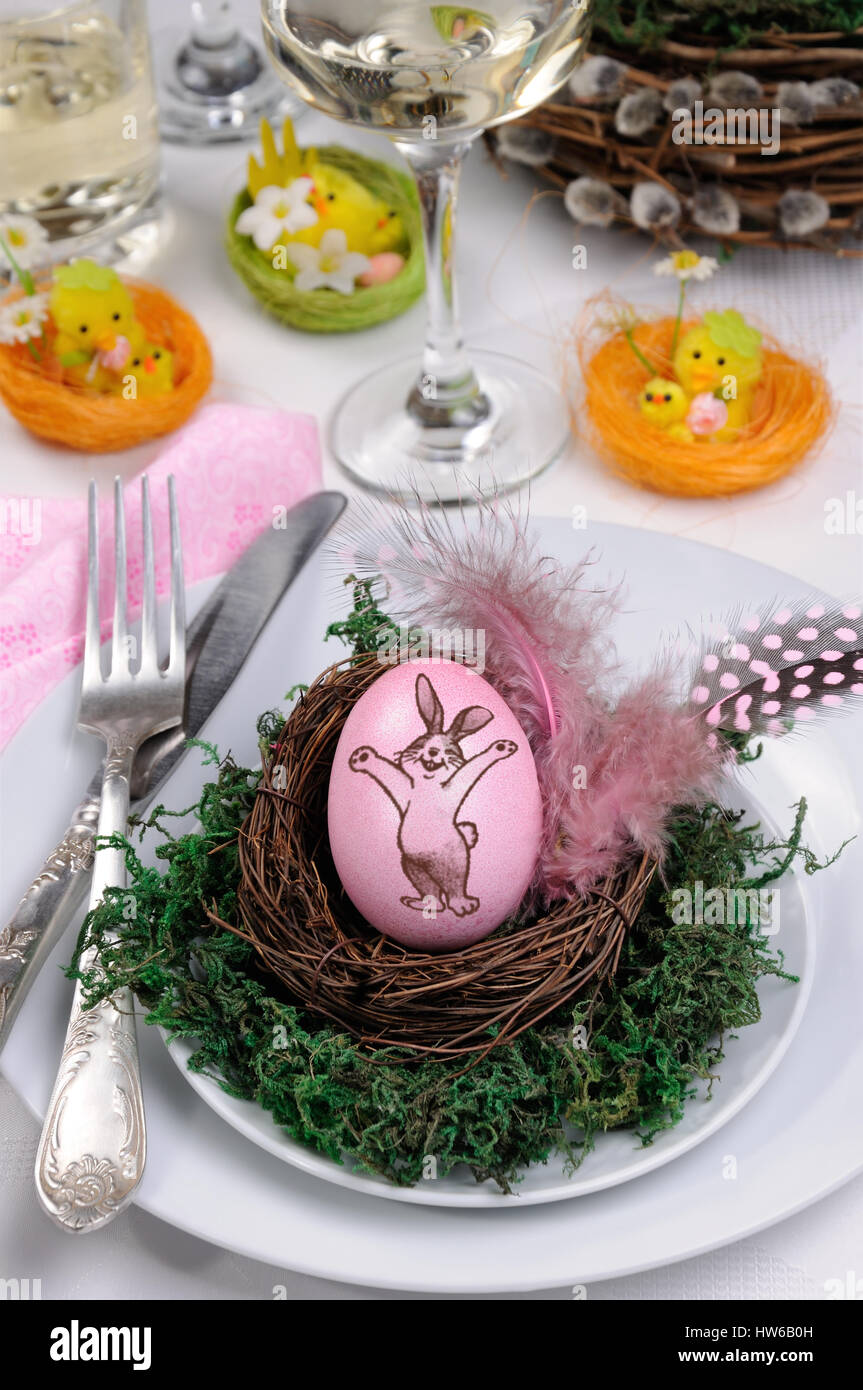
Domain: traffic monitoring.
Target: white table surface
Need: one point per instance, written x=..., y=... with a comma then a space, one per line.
x=519, y=294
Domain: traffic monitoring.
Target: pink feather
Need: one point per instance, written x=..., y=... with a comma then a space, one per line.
x=549, y=653
x=649, y=757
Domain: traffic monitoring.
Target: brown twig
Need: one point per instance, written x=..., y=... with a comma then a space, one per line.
x=308, y=934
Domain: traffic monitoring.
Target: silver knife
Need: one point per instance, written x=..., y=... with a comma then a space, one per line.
x=217, y=644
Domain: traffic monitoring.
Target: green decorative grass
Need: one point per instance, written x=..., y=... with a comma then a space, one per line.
x=327, y=311
x=657, y=1028
x=644, y=23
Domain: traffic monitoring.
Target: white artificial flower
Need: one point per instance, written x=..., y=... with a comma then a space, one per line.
x=26, y=239
x=22, y=319
x=687, y=265
x=277, y=212
x=329, y=266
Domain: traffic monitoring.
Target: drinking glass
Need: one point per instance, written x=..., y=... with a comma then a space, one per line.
x=432, y=77
x=79, y=143
x=214, y=81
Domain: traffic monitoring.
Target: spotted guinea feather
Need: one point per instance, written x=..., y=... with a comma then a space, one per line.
x=780, y=666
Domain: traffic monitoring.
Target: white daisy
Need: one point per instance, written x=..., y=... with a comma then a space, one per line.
x=277, y=212
x=26, y=239
x=329, y=266
x=22, y=319
x=687, y=265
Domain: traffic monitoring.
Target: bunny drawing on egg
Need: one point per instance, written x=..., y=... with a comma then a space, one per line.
x=428, y=783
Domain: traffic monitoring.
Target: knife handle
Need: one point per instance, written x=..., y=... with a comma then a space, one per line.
x=44, y=912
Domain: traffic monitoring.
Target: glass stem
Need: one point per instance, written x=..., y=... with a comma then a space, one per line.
x=216, y=60
x=447, y=391
x=213, y=24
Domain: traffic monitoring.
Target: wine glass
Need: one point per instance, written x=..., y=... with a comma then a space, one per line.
x=214, y=83
x=432, y=77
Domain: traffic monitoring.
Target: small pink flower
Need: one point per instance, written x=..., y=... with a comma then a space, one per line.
x=707, y=413
x=116, y=359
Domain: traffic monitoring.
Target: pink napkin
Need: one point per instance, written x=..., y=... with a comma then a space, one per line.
x=235, y=468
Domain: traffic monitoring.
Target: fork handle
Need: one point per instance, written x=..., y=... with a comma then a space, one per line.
x=93, y=1144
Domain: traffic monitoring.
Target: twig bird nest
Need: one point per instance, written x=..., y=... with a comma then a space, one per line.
x=671, y=125
x=308, y=933
x=791, y=413
x=38, y=396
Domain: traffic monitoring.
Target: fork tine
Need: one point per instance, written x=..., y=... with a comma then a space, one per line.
x=149, y=640
x=177, y=649
x=92, y=635
x=118, y=644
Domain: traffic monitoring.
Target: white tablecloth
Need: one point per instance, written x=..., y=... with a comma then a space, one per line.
x=519, y=293
x=138, y=1256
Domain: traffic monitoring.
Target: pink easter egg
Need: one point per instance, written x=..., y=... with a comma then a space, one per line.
x=435, y=814
x=382, y=268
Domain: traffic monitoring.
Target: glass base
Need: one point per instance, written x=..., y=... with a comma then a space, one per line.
x=131, y=248
x=385, y=447
x=127, y=239
x=203, y=101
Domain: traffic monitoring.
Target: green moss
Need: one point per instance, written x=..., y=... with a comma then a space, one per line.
x=644, y=23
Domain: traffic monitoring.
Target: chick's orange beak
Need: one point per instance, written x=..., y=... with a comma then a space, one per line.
x=106, y=342
x=149, y=364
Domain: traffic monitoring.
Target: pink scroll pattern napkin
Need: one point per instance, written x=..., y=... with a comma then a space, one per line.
x=235, y=468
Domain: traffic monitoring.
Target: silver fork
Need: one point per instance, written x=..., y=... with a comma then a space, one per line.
x=93, y=1145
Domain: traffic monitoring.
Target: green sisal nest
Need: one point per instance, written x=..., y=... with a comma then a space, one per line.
x=325, y=310
x=652, y=1030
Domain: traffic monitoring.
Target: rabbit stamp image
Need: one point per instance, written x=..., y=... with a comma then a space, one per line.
x=429, y=781
x=434, y=812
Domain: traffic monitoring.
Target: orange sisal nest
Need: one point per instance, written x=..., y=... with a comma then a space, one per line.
x=791, y=413
x=100, y=424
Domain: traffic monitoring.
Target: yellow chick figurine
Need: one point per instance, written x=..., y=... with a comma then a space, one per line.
x=339, y=200
x=151, y=369
x=95, y=320
x=722, y=355
x=665, y=404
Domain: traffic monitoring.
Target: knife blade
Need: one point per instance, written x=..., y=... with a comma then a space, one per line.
x=217, y=643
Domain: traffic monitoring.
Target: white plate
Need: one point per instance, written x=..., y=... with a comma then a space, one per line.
x=799, y=1140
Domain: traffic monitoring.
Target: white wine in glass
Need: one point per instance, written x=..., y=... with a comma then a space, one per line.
x=433, y=77
x=79, y=141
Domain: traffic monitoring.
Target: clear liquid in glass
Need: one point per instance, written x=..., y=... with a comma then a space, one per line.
x=419, y=71
x=79, y=146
